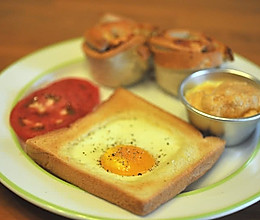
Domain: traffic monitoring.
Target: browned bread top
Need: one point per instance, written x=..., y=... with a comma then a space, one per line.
x=185, y=49
x=114, y=34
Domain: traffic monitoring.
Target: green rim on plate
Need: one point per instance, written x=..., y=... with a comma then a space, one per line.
x=71, y=213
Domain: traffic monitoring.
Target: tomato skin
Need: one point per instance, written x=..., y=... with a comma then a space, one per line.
x=53, y=107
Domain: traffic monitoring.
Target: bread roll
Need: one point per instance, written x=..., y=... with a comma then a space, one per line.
x=117, y=52
x=177, y=53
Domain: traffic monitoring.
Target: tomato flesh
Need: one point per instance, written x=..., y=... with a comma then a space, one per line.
x=53, y=107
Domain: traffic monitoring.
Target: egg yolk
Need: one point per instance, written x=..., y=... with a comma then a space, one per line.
x=127, y=160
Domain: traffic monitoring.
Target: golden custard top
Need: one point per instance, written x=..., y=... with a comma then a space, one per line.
x=229, y=99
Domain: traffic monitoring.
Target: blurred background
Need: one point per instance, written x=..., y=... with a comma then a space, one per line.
x=27, y=25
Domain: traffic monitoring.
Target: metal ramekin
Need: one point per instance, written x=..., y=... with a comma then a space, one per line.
x=232, y=130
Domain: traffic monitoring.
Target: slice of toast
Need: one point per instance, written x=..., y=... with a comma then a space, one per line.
x=181, y=153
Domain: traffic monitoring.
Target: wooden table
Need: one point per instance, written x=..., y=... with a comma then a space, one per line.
x=26, y=26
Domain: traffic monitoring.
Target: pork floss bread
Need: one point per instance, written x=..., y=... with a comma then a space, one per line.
x=179, y=52
x=128, y=152
x=117, y=52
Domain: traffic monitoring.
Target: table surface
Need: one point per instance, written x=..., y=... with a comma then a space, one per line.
x=27, y=26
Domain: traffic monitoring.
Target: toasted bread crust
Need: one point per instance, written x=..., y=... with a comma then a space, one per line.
x=153, y=190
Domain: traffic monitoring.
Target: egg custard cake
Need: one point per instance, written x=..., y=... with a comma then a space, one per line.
x=128, y=152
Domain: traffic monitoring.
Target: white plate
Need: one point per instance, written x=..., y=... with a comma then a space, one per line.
x=231, y=185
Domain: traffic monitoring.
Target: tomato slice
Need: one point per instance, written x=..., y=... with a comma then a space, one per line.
x=53, y=107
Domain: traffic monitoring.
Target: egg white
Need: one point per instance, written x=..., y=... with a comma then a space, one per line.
x=126, y=129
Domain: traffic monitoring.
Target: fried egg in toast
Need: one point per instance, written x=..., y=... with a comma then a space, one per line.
x=128, y=152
